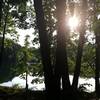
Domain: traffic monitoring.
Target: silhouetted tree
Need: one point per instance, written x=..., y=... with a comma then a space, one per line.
x=61, y=67
x=96, y=28
x=3, y=33
x=82, y=31
x=44, y=47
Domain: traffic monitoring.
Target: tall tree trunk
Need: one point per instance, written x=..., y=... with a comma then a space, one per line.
x=3, y=37
x=44, y=47
x=97, y=71
x=80, y=45
x=61, y=67
x=97, y=34
x=26, y=88
x=26, y=81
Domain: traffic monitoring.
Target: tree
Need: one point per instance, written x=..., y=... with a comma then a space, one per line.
x=61, y=67
x=44, y=47
x=24, y=57
x=9, y=60
x=82, y=32
x=7, y=23
x=96, y=26
x=9, y=19
x=97, y=70
x=55, y=69
x=4, y=32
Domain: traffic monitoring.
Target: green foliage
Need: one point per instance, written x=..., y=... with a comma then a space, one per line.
x=33, y=62
x=28, y=60
x=16, y=86
x=9, y=60
x=24, y=57
x=71, y=48
x=88, y=61
x=37, y=80
x=8, y=22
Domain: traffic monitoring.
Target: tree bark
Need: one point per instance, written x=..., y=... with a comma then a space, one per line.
x=61, y=67
x=44, y=47
x=82, y=31
x=97, y=62
x=97, y=70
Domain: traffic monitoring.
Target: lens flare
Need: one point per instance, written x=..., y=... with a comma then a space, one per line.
x=73, y=23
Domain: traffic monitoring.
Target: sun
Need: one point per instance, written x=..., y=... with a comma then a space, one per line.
x=73, y=23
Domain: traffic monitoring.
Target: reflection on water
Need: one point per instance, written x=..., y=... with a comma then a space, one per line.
x=41, y=86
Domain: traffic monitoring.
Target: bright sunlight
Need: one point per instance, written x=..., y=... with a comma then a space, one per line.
x=73, y=23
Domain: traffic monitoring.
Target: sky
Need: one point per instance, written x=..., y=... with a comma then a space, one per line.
x=23, y=33
x=21, y=36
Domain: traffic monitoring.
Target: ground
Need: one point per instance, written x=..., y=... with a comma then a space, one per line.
x=20, y=94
